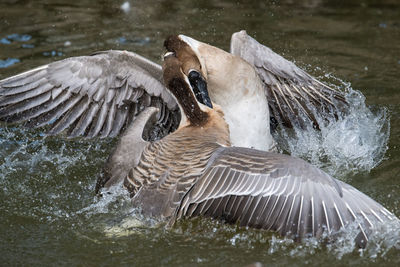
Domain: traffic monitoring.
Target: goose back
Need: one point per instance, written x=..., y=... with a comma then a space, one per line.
x=169, y=167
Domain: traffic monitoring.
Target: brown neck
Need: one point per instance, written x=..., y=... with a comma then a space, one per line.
x=175, y=81
x=187, y=101
x=215, y=130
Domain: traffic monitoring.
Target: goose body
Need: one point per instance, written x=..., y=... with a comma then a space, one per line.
x=195, y=172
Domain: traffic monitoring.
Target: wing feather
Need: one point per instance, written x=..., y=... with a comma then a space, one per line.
x=85, y=120
x=14, y=111
x=68, y=93
x=56, y=113
x=13, y=83
x=96, y=127
x=109, y=120
x=289, y=89
x=119, y=120
x=75, y=110
x=281, y=193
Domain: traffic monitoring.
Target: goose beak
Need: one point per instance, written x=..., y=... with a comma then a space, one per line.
x=199, y=87
x=191, y=95
x=187, y=50
x=194, y=79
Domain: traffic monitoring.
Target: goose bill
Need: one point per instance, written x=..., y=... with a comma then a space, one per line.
x=199, y=87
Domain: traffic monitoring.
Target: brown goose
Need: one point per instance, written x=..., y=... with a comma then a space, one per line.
x=102, y=94
x=195, y=172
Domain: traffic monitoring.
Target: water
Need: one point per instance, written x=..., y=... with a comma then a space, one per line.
x=49, y=213
x=355, y=142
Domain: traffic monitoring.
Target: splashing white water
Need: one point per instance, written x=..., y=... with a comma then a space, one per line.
x=116, y=198
x=385, y=238
x=356, y=141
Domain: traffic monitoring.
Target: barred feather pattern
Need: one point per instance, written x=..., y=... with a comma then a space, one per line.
x=170, y=166
x=280, y=193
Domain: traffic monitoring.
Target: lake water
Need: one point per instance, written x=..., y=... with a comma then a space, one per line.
x=49, y=213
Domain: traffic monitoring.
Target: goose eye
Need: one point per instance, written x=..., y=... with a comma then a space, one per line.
x=199, y=87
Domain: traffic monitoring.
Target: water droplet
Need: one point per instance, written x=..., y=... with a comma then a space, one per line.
x=126, y=7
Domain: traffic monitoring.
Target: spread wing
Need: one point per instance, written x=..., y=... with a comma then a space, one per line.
x=89, y=96
x=290, y=90
x=280, y=193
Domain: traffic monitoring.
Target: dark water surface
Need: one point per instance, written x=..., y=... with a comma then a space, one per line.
x=49, y=214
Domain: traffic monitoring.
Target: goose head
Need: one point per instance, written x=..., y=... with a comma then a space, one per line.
x=189, y=88
x=233, y=84
x=226, y=74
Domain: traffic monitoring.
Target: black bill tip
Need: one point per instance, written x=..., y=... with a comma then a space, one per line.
x=199, y=86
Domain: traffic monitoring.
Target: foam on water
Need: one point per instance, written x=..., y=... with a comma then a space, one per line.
x=45, y=174
x=116, y=202
x=116, y=197
x=26, y=150
x=355, y=142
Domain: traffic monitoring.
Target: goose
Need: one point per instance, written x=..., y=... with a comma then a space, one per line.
x=195, y=171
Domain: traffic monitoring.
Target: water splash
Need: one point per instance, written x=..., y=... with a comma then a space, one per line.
x=383, y=239
x=30, y=152
x=116, y=198
x=383, y=242
x=51, y=177
x=355, y=142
